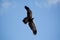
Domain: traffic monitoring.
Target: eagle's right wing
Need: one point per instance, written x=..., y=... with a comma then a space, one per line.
x=32, y=26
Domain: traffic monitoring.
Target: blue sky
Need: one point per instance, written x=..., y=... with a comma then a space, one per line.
x=46, y=14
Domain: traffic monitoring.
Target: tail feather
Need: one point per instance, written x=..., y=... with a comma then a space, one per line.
x=25, y=20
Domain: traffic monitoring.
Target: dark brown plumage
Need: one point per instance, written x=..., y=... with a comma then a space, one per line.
x=29, y=20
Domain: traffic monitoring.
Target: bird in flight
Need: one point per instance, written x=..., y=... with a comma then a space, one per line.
x=29, y=20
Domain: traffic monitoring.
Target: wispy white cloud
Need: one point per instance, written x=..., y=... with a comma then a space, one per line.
x=8, y=4
x=53, y=1
x=41, y=4
x=46, y=3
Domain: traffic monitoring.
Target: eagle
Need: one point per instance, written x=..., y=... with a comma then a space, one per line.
x=29, y=20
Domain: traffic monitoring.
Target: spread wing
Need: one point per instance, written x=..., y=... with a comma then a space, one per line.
x=32, y=26
x=29, y=12
x=29, y=19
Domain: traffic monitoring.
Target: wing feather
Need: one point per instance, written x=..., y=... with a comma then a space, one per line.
x=29, y=12
x=33, y=27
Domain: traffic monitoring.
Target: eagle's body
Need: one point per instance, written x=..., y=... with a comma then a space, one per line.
x=29, y=19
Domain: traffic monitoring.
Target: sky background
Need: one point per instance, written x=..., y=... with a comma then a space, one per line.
x=46, y=14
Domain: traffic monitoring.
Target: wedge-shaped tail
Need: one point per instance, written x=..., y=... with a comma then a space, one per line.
x=25, y=20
